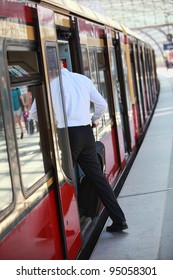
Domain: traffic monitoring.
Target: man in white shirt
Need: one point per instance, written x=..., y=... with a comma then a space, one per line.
x=78, y=92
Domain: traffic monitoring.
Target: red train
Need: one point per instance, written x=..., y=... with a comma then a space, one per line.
x=40, y=209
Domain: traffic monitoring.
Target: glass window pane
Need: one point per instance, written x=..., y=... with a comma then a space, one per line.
x=28, y=134
x=116, y=86
x=23, y=69
x=85, y=62
x=97, y=63
x=126, y=79
x=93, y=74
x=93, y=67
x=64, y=155
x=102, y=79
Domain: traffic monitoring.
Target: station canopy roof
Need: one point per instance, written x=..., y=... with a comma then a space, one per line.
x=151, y=19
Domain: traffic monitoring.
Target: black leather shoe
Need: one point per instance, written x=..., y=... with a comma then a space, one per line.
x=117, y=227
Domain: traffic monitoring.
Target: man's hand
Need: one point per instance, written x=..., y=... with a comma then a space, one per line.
x=95, y=124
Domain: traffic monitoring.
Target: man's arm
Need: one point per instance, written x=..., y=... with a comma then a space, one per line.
x=100, y=105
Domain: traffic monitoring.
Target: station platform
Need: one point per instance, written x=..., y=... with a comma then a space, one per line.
x=147, y=194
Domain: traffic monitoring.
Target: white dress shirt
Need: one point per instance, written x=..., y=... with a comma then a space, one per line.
x=78, y=92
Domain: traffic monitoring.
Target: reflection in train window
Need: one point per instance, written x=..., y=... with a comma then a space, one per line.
x=6, y=194
x=93, y=68
x=22, y=66
x=30, y=117
x=97, y=64
x=27, y=133
x=85, y=61
x=126, y=80
x=101, y=59
x=93, y=73
x=116, y=86
x=102, y=79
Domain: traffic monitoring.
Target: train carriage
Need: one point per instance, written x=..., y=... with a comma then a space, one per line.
x=39, y=208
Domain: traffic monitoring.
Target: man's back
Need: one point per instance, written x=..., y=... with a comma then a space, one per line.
x=79, y=91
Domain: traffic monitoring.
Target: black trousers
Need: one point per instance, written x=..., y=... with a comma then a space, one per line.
x=83, y=149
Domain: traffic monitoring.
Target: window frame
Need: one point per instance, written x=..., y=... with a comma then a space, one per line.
x=23, y=45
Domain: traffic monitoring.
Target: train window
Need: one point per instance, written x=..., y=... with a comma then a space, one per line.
x=56, y=90
x=93, y=68
x=141, y=70
x=102, y=79
x=116, y=86
x=85, y=61
x=100, y=59
x=101, y=69
x=5, y=179
x=22, y=66
x=126, y=79
x=28, y=135
x=29, y=115
x=98, y=76
x=93, y=74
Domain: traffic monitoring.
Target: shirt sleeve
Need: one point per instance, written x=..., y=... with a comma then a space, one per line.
x=99, y=103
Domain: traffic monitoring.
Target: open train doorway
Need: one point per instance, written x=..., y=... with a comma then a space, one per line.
x=88, y=201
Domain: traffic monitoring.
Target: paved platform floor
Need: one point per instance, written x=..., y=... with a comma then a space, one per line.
x=147, y=195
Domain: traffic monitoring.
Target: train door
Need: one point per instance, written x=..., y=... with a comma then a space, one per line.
x=89, y=65
x=106, y=129
x=124, y=99
x=143, y=79
x=70, y=53
x=140, y=81
x=96, y=66
x=118, y=106
x=135, y=77
x=116, y=96
x=155, y=80
x=148, y=78
x=64, y=167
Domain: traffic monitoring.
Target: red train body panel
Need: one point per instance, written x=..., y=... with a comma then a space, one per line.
x=37, y=236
